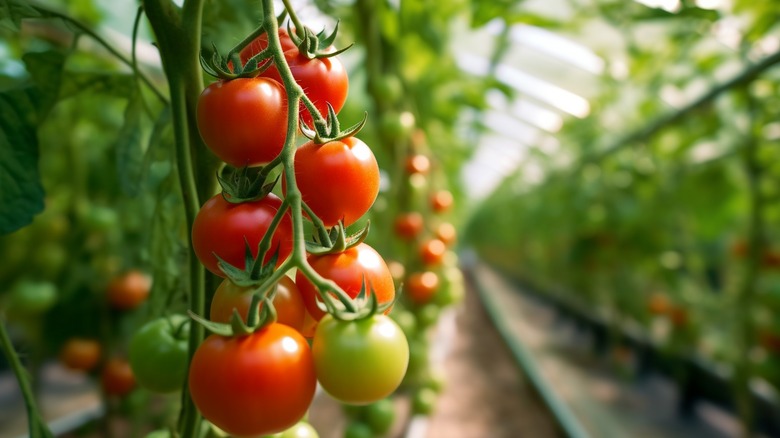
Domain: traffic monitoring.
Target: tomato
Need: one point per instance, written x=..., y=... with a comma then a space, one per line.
x=360, y=362
x=300, y=430
x=243, y=121
x=80, y=354
x=418, y=164
x=287, y=301
x=432, y=252
x=453, y=287
x=309, y=324
x=348, y=269
x=324, y=80
x=32, y=297
x=357, y=429
x=407, y=226
x=224, y=228
x=261, y=42
x=117, y=377
x=441, y=201
x=380, y=416
x=258, y=384
x=447, y=233
x=422, y=286
x=424, y=401
x=658, y=303
x=339, y=180
x=158, y=353
x=406, y=320
x=128, y=291
x=427, y=315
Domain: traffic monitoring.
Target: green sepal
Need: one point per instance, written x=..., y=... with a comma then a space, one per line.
x=339, y=239
x=230, y=67
x=254, y=272
x=245, y=184
x=314, y=46
x=329, y=129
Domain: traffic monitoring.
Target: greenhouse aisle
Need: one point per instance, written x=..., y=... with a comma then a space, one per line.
x=604, y=403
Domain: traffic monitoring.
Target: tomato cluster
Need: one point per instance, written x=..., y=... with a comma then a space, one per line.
x=261, y=379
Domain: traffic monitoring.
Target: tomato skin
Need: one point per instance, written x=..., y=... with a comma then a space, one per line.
x=117, y=377
x=441, y=201
x=258, y=384
x=128, y=291
x=288, y=303
x=221, y=227
x=407, y=226
x=380, y=416
x=339, y=180
x=348, y=269
x=432, y=252
x=418, y=164
x=324, y=80
x=360, y=362
x=261, y=42
x=80, y=354
x=32, y=297
x=422, y=286
x=243, y=121
x=158, y=353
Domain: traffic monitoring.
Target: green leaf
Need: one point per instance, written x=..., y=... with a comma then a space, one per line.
x=21, y=192
x=12, y=12
x=46, y=71
x=129, y=150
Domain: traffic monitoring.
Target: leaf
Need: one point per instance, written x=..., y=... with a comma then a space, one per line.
x=12, y=12
x=129, y=151
x=21, y=192
x=46, y=71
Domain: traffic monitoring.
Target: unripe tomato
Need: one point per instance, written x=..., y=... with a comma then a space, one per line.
x=80, y=354
x=158, y=353
x=129, y=290
x=32, y=298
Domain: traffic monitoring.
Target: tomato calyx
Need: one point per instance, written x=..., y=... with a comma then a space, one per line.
x=315, y=46
x=258, y=318
x=230, y=67
x=328, y=129
x=363, y=306
x=335, y=240
x=246, y=184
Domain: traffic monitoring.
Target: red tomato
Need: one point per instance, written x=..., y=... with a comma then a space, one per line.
x=288, y=303
x=224, y=228
x=441, y=201
x=243, y=121
x=260, y=43
x=418, y=164
x=80, y=354
x=117, y=377
x=432, y=252
x=129, y=290
x=422, y=286
x=349, y=270
x=447, y=233
x=408, y=225
x=324, y=80
x=339, y=180
x=253, y=385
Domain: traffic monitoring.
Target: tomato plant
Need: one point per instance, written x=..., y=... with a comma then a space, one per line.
x=287, y=301
x=338, y=180
x=129, y=290
x=80, y=354
x=257, y=384
x=158, y=353
x=243, y=121
x=361, y=361
x=224, y=229
x=117, y=378
x=350, y=270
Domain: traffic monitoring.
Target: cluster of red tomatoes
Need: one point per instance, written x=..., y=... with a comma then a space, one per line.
x=263, y=382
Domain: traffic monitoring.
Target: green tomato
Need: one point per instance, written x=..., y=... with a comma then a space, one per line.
x=358, y=430
x=453, y=288
x=32, y=298
x=427, y=315
x=424, y=401
x=406, y=320
x=360, y=362
x=158, y=353
x=160, y=433
x=300, y=430
x=380, y=416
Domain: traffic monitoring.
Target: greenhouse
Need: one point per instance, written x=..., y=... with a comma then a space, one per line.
x=389, y=218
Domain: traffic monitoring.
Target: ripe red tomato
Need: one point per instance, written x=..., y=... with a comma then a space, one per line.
x=261, y=42
x=447, y=233
x=422, y=286
x=349, y=270
x=339, y=180
x=408, y=225
x=432, y=252
x=117, y=377
x=224, y=228
x=441, y=201
x=243, y=121
x=360, y=362
x=253, y=385
x=80, y=354
x=324, y=80
x=418, y=164
x=288, y=303
x=129, y=290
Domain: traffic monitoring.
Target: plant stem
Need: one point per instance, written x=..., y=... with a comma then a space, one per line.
x=37, y=425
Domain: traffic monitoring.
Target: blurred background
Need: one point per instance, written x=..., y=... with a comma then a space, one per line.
x=605, y=175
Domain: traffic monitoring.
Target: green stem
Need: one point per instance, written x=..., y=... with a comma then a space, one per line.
x=299, y=28
x=37, y=425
